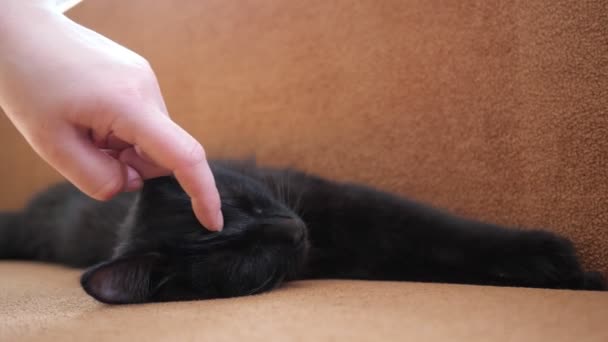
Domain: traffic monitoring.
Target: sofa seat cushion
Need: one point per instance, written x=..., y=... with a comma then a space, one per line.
x=45, y=303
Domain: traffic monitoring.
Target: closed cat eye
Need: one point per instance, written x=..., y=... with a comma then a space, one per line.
x=242, y=204
x=233, y=202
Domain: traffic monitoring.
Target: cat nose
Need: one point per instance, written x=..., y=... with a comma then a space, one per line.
x=287, y=228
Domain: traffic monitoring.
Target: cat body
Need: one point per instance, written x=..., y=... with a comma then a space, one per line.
x=280, y=225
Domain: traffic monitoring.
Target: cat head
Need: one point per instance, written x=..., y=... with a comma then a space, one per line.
x=167, y=255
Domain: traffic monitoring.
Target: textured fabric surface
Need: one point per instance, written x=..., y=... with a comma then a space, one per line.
x=55, y=309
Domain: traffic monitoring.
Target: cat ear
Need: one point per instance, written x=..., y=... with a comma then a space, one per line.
x=126, y=280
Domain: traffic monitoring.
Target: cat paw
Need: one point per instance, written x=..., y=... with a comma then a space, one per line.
x=542, y=259
x=594, y=281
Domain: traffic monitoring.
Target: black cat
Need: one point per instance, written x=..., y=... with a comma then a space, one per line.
x=280, y=225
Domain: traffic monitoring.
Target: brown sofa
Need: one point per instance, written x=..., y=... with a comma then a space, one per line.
x=494, y=110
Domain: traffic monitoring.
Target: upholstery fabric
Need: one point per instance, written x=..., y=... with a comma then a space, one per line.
x=45, y=303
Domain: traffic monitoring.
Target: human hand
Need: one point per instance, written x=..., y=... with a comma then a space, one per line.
x=93, y=109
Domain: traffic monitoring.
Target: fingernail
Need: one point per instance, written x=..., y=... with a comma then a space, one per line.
x=219, y=221
x=134, y=181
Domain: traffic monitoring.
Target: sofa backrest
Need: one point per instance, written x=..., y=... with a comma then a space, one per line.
x=495, y=110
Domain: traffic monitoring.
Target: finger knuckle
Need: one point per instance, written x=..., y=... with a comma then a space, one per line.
x=142, y=63
x=137, y=81
x=195, y=154
x=143, y=74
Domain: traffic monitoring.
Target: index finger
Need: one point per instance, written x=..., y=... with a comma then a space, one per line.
x=171, y=147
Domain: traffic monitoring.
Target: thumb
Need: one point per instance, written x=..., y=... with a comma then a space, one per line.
x=94, y=172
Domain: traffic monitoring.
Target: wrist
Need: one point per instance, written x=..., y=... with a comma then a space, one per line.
x=24, y=25
x=14, y=5
x=17, y=15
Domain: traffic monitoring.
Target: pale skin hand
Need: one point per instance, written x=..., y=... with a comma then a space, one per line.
x=93, y=109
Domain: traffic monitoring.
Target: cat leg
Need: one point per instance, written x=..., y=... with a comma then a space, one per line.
x=487, y=254
x=358, y=232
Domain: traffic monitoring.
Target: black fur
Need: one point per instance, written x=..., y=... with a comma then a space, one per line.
x=280, y=225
